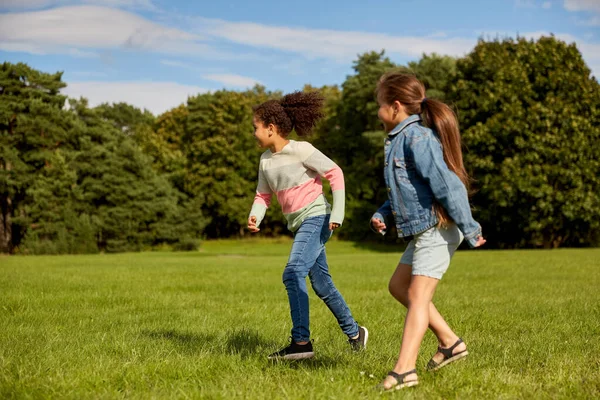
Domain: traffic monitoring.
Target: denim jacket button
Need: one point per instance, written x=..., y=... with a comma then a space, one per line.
x=394, y=213
x=386, y=164
x=389, y=189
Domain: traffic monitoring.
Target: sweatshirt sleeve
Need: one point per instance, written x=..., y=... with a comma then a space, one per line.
x=262, y=199
x=326, y=168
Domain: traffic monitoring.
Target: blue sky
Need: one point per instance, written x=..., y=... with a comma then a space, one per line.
x=154, y=53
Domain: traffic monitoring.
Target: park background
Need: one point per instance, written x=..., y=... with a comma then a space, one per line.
x=126, y=268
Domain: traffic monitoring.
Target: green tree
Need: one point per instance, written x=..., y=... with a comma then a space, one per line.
x=124, y=117
x=436, y=72
x=133, y=204
x=75, y=181
x=163, y=141
x=54, y=225
x=531, y=126
x=33, y=126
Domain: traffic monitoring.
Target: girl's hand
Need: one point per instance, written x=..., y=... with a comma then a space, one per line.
x=252, y=224
x=480, y=241
x=378, y=225
x=333, y=226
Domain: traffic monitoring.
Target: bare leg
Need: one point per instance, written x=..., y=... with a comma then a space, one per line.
x=421, y=315
x=398, y=288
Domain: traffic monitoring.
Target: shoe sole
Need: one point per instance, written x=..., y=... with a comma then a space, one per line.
x=397, y=387
x=405, y=385
x=451, y=360
x=366, y=337
x=297, y=356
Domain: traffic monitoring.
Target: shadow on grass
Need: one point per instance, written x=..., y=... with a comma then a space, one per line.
x=249, y=343
x=188, y=343
x=246, y=342
x=243, y=342
x=317, y=362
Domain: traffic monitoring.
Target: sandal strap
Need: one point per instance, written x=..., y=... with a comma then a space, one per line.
x=400, y=377
x=432, y=364
x=448, y=352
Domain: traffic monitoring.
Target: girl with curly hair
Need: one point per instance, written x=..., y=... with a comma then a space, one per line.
x=293, y=171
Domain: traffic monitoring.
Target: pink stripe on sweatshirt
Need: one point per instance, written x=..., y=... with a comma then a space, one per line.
x=298, y=197
x=263, y=198
x=335, y=176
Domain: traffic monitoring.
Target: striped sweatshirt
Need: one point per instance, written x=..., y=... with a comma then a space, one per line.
x=294, y=175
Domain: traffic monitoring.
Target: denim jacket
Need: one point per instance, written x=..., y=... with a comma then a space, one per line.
x=416, y=175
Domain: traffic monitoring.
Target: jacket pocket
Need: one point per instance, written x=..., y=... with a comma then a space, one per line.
x=401, y=170
x=405, y=178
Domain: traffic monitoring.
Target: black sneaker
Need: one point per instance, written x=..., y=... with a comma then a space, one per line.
x=294, y=351
x=360, y=343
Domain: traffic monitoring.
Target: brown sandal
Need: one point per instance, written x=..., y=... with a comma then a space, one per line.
x=400, y=382
x=448, y=356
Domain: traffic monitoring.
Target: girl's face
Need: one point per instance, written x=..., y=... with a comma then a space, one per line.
x=262, y=133
x=388, y=113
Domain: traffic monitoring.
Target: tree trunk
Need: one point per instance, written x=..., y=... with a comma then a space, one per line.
x=5, y=224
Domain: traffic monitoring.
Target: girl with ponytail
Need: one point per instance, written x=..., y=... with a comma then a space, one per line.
x=293, y=171
x=427, y=187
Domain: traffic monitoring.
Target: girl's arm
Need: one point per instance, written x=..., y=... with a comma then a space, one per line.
x=262, y=200
x=329, y=170
x=446, y=186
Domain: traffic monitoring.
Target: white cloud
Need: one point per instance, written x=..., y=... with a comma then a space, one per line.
x=87, y=31
x=324, y=43
x=25, y=4
x=229, y=80
x=587, y=6
x=68, y=30
x=38, y=4
x=546, y=5
x=36, y=49
x=582, y=5
x=345, y=45
x=135, y=4
x=60, y=29
x=232, y=80
x=594, y=21
x=591, y=52
x=172, y=63
x=157, y=97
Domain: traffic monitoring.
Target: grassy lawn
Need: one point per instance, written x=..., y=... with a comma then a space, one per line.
x=199, y=325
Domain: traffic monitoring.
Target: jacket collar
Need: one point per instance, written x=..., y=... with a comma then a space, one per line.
x=400, y=127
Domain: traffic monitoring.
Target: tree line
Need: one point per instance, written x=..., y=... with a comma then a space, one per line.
x=81, y=179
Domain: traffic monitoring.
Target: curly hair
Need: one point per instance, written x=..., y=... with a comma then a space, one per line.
x=297, y=111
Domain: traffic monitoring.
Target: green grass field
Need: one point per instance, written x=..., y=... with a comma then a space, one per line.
x=199, y=325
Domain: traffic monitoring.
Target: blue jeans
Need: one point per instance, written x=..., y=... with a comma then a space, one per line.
x=308, y=258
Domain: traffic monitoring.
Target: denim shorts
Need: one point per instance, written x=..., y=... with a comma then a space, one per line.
x=430, y=252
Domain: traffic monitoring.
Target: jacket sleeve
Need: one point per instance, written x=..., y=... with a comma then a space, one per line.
x=384, y=214
x=446, y=186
